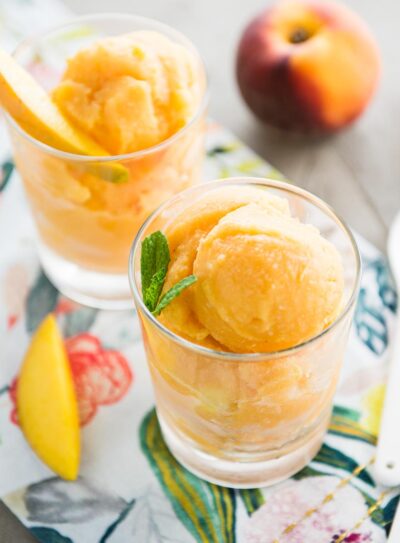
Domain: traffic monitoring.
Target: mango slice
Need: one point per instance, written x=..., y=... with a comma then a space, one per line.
x=33, y=109
x=47, y=404
x=29, y=104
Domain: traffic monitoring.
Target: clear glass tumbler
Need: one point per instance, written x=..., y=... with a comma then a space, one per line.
x=247, y=420
x=86, y=218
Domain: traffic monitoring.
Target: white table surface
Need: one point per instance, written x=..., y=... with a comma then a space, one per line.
x=357, y=172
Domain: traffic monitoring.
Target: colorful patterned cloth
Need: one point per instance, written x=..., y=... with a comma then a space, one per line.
x=130, y=488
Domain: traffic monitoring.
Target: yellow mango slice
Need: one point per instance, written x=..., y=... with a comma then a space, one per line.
x=33, y=109
x=29, y=104
x=46, y=402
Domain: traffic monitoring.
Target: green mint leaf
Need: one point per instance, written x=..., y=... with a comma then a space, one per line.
x=173, y=292
x=154, y=261
x=152, y=294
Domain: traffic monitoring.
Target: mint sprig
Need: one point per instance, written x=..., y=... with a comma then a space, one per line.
x=154, y=262
x=173, y=292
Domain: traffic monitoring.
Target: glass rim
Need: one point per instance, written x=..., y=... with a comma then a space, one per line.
x=258, y=356
x=168, y=30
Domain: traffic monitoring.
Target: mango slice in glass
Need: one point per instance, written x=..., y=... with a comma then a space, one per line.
x=33, y=109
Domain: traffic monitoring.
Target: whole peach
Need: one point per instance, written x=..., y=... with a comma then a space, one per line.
x=307, y=66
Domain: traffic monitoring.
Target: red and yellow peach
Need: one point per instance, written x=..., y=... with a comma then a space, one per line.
x=307, y=66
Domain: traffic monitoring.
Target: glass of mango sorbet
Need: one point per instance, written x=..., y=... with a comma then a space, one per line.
x=246, y=358
x=135, y=92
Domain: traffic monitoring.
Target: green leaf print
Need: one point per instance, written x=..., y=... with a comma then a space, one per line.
x=42, y=299
x=149, y=518
x=346, y=412
x=378, y=515
x=4, y=390
x=250, y=166
x=370, y=323
x=49, y=535
x=222, y=149
x=252, y=499
x=207, y=511
x=308, y=472
x=79, y=321
x=121, y=517
x=386, y=289
x=54, y=501
x=383, y=516
x=336, y=459
x=344, y=423
x=388, y=513
x=7, y=169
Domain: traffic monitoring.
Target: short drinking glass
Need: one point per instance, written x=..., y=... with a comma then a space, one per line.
x=247, y=420
x=88, y=209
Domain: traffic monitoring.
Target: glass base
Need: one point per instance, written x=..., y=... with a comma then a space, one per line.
x=239, y=474
x=99, y=290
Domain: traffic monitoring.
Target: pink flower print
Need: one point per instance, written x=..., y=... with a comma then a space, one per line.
x=289, y=501
x=101, y=376
x=11, y=320
x=12, y=392
x=352, y=538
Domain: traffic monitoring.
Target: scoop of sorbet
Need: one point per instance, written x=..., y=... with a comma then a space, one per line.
x=266, y=281
x=132, y=91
